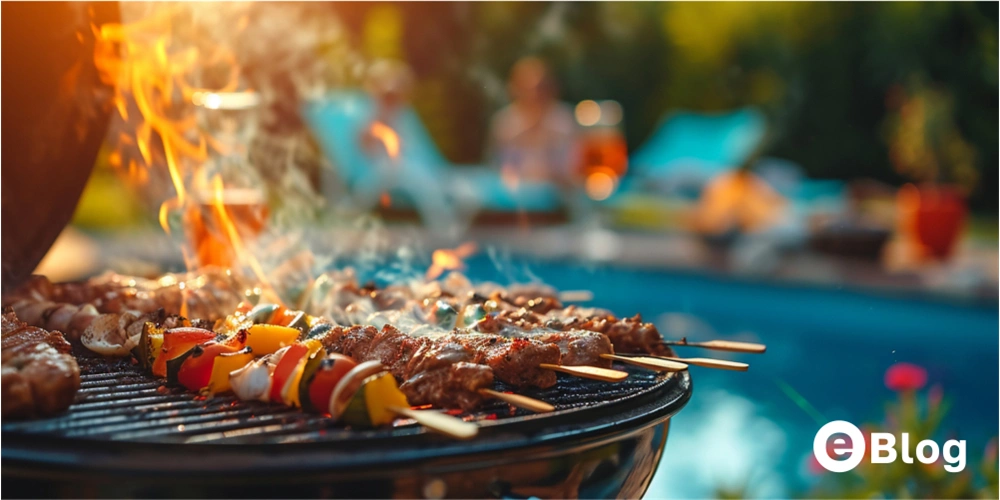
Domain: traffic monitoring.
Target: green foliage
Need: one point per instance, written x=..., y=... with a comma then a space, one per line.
x=822, y=71
x=920, y=415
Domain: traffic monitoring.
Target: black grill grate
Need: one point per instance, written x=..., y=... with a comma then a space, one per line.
x=117, y=402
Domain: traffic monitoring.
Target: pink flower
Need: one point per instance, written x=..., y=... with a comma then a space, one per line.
x=905, y=377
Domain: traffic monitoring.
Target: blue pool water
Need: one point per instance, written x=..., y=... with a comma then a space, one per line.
x=831, y=346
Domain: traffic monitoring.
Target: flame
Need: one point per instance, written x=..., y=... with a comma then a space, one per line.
x=149, y=72
x=450, y=259
x=152, y=72
x=388, y=137
x=235, y=241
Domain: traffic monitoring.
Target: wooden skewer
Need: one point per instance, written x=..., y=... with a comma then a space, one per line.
x=651, y=363
x=591, y=372
x=530, y=404
x=722, y=345
x=576, y=296
x=711, y=363
x=439, y=422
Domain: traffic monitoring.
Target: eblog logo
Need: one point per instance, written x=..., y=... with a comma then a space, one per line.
x=883, y=449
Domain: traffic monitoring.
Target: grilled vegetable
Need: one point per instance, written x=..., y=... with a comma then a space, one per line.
x=318, y=330
x=150, y=345
x=196, y=371
x=444, y=314
x=174, y=365
x=371, y=404
x=252, y=381
x=349, y=384
x=225, y=364
x=262, y=312
x=299, y=321
x=290, y=394
x=176, y=342
x=308, y=373
x=285, y=370
x=266, y=339
x=323, y=381
x=232, y=324
x=471, y=315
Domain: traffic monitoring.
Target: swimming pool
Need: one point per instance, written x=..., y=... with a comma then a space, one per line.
x=830, y=346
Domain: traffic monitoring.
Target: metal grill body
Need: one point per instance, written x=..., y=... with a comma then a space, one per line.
x=129, y=435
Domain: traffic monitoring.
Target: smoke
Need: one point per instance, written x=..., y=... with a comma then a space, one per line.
x=286, y=54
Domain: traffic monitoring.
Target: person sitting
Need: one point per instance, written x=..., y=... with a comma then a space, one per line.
x=533, y=139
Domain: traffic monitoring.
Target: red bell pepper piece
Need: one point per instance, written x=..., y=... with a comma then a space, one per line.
x=177, y=341
x=334, y=367
x=196, y=371
x=285, y=369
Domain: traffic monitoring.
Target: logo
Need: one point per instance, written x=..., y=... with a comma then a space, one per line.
x=883, y=449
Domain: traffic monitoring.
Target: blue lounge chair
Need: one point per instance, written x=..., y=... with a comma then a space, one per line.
x=688, y=149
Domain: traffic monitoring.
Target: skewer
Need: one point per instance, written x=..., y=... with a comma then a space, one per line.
x=721, y=345
x=519, y=401
x=439, y=422
x=576, y=296
x=711, y=363
x=651, y=363
x=591, y=372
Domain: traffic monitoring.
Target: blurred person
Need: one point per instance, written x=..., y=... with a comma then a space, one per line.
x=534, y=138
x=399, y=166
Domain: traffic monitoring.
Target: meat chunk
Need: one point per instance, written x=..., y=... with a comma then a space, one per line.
x=38, y=375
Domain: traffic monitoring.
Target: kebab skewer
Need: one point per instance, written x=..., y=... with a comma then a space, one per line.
x=299, y=374
x=441, y=372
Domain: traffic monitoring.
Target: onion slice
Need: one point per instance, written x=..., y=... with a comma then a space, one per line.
x=349, y=384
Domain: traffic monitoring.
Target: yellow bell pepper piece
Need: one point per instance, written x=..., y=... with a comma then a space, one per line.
x=267, y=339
x=314, y=347
x=382, y=393
x=224, y=365
x=155, y=345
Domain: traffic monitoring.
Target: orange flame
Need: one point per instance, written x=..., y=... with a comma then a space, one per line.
x=450, y=259
x=235, y=241
x=388, y=137
x=151, y=74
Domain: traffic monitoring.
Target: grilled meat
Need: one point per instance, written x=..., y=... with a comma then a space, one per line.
x=513, y=361
x=39, y=376
x=577, y=347
x=70, y=318
x=627, y=335
x=209, y=295
x=442, y=374
x=518, y=311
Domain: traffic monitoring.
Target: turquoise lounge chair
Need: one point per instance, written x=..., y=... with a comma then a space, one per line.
x=688, y=149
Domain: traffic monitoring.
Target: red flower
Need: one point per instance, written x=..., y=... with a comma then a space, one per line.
x=814, y=466
x=905, y=377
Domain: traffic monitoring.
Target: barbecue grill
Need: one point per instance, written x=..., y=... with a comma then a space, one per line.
x=127, y=435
